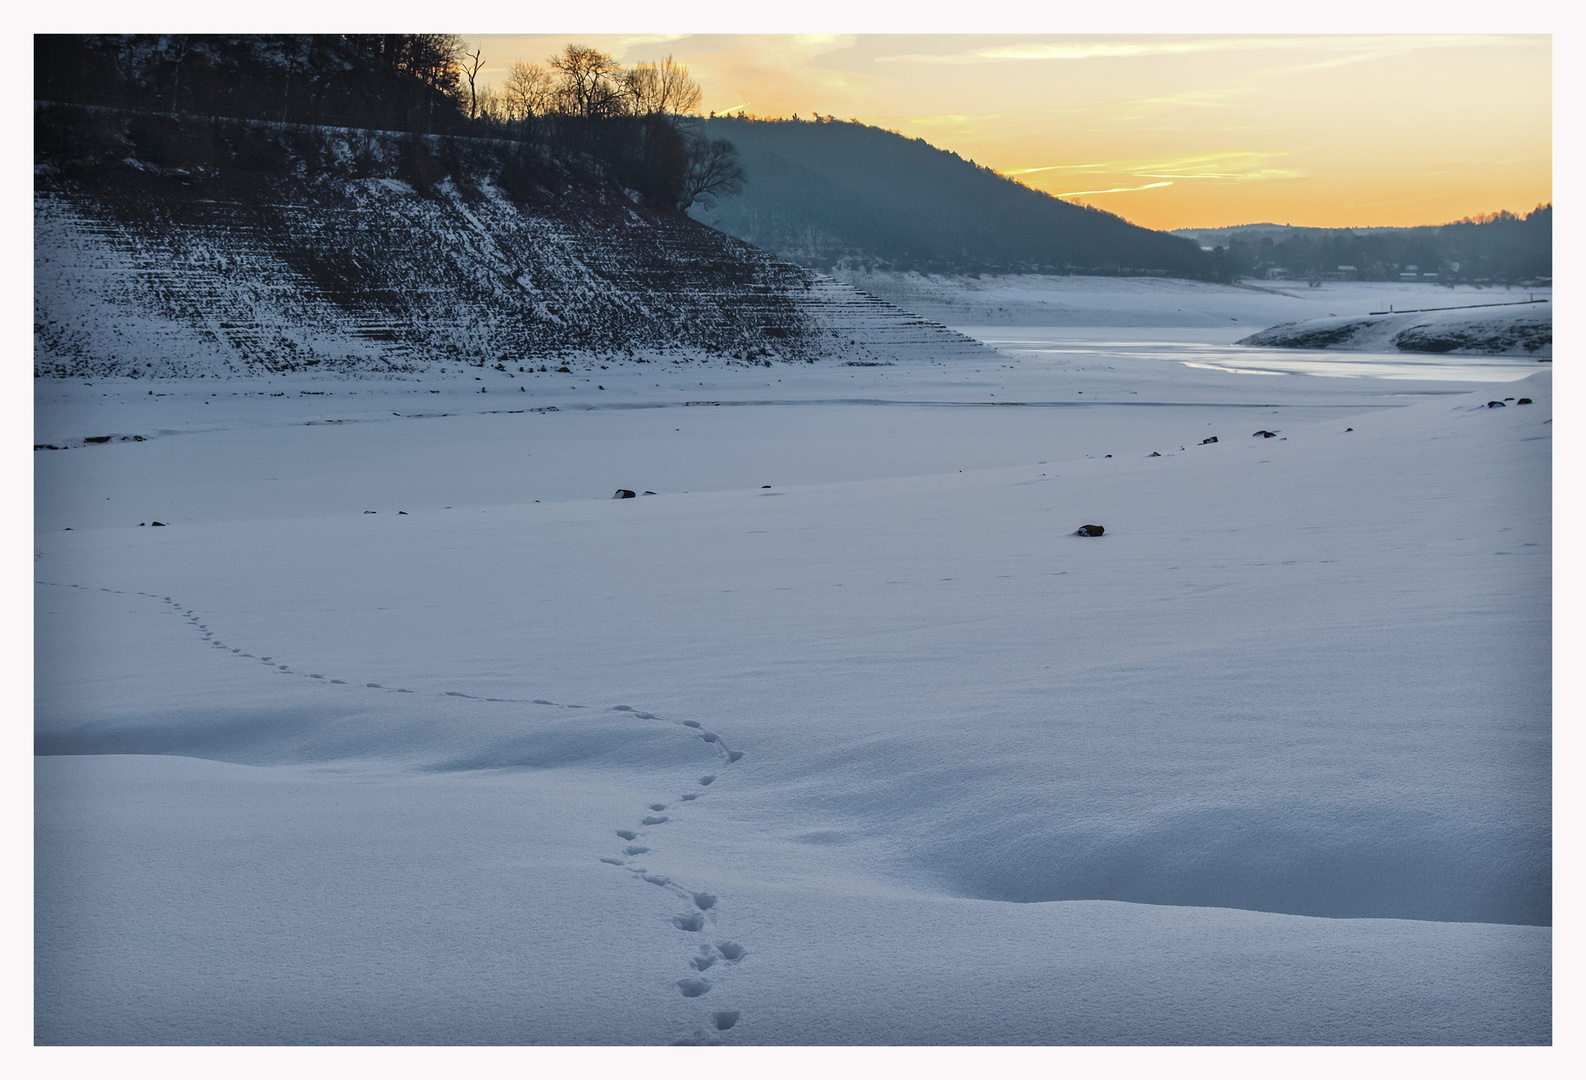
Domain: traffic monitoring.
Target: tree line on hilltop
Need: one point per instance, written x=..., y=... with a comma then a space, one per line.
x=580, y=111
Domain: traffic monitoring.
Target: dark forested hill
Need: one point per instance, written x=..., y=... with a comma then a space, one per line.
x=828, y=192
x=1500, y=248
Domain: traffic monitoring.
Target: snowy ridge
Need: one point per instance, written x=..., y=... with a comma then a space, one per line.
x=1515, y=331
x=372, y=277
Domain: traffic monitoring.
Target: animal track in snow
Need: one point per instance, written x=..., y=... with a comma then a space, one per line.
x=692, y=922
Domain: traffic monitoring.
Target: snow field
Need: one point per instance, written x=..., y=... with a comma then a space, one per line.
x=1267, y=763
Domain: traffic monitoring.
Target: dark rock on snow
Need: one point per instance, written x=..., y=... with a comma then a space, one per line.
x=1089, y=530
x=1210, y=440
x=624, y=493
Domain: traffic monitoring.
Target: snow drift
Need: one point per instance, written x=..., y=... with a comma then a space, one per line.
x=1477, y=331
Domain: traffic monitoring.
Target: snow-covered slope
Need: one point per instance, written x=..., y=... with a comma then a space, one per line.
x=869, y=756
x=149, y=273
x=1521, y=330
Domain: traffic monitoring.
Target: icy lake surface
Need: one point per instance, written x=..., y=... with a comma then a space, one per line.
x=400, y=729
x=1214, y=350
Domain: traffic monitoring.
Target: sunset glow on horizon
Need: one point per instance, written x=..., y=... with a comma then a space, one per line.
x=1168, y=131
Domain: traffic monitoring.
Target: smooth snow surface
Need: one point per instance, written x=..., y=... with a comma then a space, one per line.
x=840, y=737
x=1079, y=301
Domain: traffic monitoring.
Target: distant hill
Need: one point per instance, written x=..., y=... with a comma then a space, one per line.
x=830, y=193
x=1501, y=248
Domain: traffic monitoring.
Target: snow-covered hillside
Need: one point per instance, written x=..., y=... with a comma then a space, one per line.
x=1520, y=330
x=158, y=271
x=401, y=729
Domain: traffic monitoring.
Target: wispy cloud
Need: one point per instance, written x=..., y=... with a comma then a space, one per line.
x=1357, y=46
x=1242, y=165
x=1095, y=167
x=1111, y=190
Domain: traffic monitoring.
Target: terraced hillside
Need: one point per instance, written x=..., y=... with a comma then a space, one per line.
x=248, y=247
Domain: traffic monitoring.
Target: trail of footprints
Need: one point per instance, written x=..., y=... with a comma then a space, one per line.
x=699, y=912
x=699, y=906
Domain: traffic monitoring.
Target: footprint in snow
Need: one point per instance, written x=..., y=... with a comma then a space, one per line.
x=655, y=819
x=693, y=922
x=693, y=987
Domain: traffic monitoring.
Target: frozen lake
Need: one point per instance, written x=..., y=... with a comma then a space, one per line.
x=1214, y=350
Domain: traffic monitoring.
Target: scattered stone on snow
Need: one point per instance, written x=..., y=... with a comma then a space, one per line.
x=1264, y=433
x=624, y=493
x=1495, y=405
x=1210, y=440
x=1089, y=530
x=1523, y=401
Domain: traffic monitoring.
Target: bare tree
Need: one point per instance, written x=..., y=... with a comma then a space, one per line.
x=587, y=87
x=527, y=91
x=642, y=87
x=493, y=106
x=679, y=92
x=475, y=61
x=713, y=171
x=666, y=87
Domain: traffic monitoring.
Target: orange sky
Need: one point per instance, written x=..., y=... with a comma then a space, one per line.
x=1170, y=131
